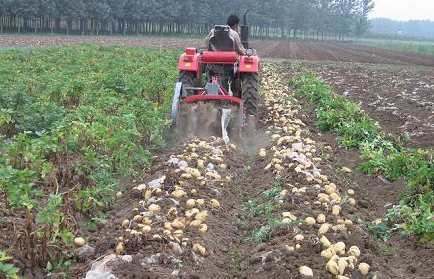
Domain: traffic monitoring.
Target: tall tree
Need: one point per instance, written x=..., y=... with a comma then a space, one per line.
x=362, y=23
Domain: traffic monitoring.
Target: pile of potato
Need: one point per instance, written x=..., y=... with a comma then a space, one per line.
x=180, y=214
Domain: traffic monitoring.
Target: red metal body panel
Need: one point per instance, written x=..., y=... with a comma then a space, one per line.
x=189, y=62
x=249, y=64
x=220, y=57
x=196, y=98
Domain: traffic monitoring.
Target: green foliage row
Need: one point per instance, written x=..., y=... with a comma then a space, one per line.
x=383, y=156
x=418, y=47
x=335, y=112
x=73, y=120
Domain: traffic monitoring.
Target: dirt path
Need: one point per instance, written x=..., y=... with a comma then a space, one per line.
x=289, y=49
x=221, y=212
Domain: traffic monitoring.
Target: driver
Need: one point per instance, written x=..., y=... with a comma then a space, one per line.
x=233, y=22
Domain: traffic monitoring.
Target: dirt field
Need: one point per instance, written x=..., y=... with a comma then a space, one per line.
x=240, y=240
x=231, y=241
x=300, y=50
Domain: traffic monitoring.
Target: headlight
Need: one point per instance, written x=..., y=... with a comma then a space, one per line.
x=249, y=52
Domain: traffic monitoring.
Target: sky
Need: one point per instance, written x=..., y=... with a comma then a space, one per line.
x=404, y=9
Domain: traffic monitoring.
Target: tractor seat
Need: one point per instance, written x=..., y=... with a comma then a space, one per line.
x=221, y=41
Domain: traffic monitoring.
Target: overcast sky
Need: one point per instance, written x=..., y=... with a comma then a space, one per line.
x=404, y=9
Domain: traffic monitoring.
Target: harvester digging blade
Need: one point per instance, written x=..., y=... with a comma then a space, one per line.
x=206, y=119
x=226, y=117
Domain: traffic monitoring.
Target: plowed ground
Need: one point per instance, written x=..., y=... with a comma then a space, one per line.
x=234, y=248
x=300, y=50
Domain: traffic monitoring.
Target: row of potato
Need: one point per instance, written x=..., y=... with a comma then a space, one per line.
x=291, y=151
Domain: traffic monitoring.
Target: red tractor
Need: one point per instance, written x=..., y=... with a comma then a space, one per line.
x=226, y=104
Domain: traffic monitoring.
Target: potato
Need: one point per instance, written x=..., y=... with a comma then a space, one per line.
x=354, y=251
x=298, y=246
x=364, y=268
x=146, y=229
x=325, y=242
x=125, y=223
x=299, y=237
x=350, y=192
x=195, y=223
x=215, y=203
x=310, y=221
x=321, y=219
x=201, y=216
x=324, y=229
x=79, y=241
x=289, y=249
x=199, y=249
x=328, y=253
x=119, y=194
x=339, y=248
x=347, y=170
x=154, y=208
x=342, y=265
x=332, y=267
x=200, y=202
x=178, y=194
x=190, y=203
x=336, y=210
x=178, y=233
x=120, y=247
x=177, y=224
x=352, y=202
x=146, y=221
x=329, y=189
x=305, y=271
x=200, y=164
x=262, y=153
x=203, y=228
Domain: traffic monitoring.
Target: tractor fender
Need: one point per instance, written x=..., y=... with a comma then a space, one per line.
x=189, y=62
x=248, y=64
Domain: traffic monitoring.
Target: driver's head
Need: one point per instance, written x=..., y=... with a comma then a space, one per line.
x=233, y=22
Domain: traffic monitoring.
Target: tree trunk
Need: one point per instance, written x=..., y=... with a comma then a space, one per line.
x=19, y=24
x=1, y=24
x=67, y=25
x=36, y=25
x=97, y=27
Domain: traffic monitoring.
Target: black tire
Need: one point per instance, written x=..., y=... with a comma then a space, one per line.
x=250, y=92
x=188, y=79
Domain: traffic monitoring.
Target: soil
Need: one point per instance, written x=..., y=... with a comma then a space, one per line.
x=400, y=98
x=231, y=251
x=299, y=50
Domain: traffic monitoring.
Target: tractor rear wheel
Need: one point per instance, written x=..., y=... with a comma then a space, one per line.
x=188, y=79
x=250, y=93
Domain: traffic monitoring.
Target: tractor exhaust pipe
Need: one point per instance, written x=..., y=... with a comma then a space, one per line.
x=245, y=31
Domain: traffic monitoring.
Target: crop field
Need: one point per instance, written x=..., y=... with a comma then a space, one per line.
x=409, y=46
x=337, y=183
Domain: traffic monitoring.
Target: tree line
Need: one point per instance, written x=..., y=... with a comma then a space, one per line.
x=268, y=18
